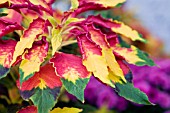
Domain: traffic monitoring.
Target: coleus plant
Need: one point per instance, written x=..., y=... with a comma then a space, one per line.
x=32, y=33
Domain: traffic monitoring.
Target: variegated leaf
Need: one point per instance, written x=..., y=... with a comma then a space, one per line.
x=7, y=27
x=117, y=27
x=35, y=29
x=32, y=59
x=134, y=56
x=100, y=39
x=93, y=59
x=6, y=54
x=74, y=75
x=103, y=3
x=43, y=88
x=81, y=6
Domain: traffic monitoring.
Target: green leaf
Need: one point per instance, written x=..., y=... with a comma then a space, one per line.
x=77, y=88
x=44, y=99
x=145, y=58
x=129, y=92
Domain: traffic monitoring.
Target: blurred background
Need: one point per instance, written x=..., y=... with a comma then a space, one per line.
x=151, y=18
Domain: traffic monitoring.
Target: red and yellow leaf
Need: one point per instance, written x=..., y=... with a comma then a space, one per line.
x=32, y=59
x=43, y=88
x=117, y=27
x=7, y=27
x=6, y=54
x=80, y=6
x=29, y=109
x=93, y=60
x=100, y=39
x=127, y=31
x=104, y=3
x=133, y=55
x=35, y=29
x=46, y=77
x=69, y=66
x=13, y=16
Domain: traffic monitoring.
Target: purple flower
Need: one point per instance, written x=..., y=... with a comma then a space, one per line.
x=100, y=95
x=154, y=81
x=164, y=99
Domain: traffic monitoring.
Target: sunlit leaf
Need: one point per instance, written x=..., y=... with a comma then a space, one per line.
x=66, y=110
x=74, y=74
x=104, y=3
x=117, y=27
x=100, y=39
x=93, y=60
x=43, y=88
x=35, y=29
x=69, y=66
x=127, y=31
x=86, y=5
x=134, y=56
x=32, y=59
x=45, y=78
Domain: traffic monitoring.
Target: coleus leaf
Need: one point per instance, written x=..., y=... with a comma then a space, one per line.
x=104, y=3
x=126, y=70
x=93, y=59
x=56, y=39
x=35, y=29
x=32, y=59
x=77, y=88
x=100, y=39
x=66, y=110
x=57, y=33
x=85, y=5
x=134, y=56
x=7, y=27
x=6, y=53
x=33, y=109
x=36, y=5
x=13, y=16
x=74, y=75
x=28, y=109
x=43, y=88
x=129, y=92
x=117, y=27
x=44, y=99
